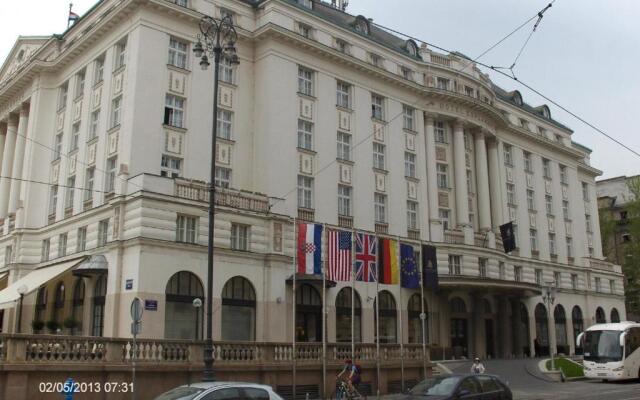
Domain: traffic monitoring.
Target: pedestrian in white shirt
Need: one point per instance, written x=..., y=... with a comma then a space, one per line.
x=477, y=367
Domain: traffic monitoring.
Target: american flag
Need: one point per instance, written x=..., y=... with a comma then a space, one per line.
x=339, y=256
x=366, y=255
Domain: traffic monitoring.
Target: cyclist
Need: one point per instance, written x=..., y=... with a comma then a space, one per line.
x=351, y=374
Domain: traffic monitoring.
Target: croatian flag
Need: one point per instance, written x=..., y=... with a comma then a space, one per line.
x=309, y=249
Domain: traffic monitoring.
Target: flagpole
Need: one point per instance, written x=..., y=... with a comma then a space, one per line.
x=353, y=295
x=377, y=327
x=423, y=319
x=293, y=341
x=324, y=318
x=401, y=318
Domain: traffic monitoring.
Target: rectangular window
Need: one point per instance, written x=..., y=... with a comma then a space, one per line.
x=548, y=201
x=344, y=146
x=612, y=286
x=539, y=277
x=557, y=279
x=62, y=245
x=409, y=164
x=71, y=184
x=305, y=30
x=110, y=181
x=552, y=244
x=57, y=146
x=170, y=167
x=223, y=177
x=342, y=46
x=442, y=83
x=574, y=281
x=406, y=73
x=174, y=111
x=531, y=202
x=546, y=168
x=507, y=150
x=116, y=110
x=240, y=237
x=344, y=200
x=225, y=130
x=455, y=264
x=469, y=182
x=445, y=218
x=343, y=95
x=80, y=79
x=377, y=107
x=227, y=70
x=524, y=123
x=62, y=96
x=8, y=255
x=376, y=60
x=502, y=272
x=569, y=247
x=533, y=239
x=528, y=166
x=469, y=91
x=442, y=172
x=408, y=113
x=412, y=215
x=517, y=273
x=305, y=134
x=585, y=191
x=380, y=206
x=53, y=200
x=542, y=132
x=98, y=74
x=178, y=53
x=103, y=232
x=305, y=192
x=186, y=228
x=81, y=241
x=511, y=193
x=120, y=54
x=88, y=184
x=598, y=285
x=93, y=126
x=563, y=174
x=482, y=267
x=46, y=247
x=565, y=209
x=587, y=220
x=378, y=155
x=305, y=81
x=75, y=136
x=440, y=132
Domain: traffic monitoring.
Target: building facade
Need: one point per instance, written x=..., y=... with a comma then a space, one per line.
x=105, y=138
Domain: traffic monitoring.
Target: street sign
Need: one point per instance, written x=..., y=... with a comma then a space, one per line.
x=151, y=305
x=136, y=328
x=136, y=310
x=128, y=284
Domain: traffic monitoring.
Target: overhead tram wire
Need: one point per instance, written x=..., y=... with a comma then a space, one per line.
x=563, y=108
x=55, y=184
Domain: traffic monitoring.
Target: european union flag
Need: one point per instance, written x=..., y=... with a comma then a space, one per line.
x=409, y=276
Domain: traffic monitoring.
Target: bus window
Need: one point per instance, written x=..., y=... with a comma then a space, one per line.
x=602, y=346
x=632, y=341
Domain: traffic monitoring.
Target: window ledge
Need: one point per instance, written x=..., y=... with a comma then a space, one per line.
x=179, y=69
x=380, y=171
x=306, y=151
x=174, y=128
x=345, y=109
x=92, y=140
x=375, y=119
x=308, y=96
x=78, y=99
x=345, y=161
x=227, y=141
x=119, y=69
x=412, y=179
x=232, y=85
x=407, y=130
x=98, y=84
x=113, y=128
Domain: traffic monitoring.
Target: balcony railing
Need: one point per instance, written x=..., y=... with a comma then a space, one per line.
x=603, y=265
x=306, y=214
x=199, y=191
x=454, y=237
x=345, y=221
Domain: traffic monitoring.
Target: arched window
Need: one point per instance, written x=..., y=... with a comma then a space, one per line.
x=308, y=314
x=414, y=309
x=615, y=316
x=181, y=319
x=578, y=325
x=561, y=329
x=412, y=47
x=459, y=328
x=362, y=25
x=238, y=310
x=41, y=304
x=387, y=312
x=58, y=305
x=97, y=315
x=600, y=316
x=78, y=305
x=343, y=316
x=541, y=340
x=458, y=305
x=486, y=305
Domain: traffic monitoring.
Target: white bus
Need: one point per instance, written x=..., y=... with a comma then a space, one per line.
x=611, y=351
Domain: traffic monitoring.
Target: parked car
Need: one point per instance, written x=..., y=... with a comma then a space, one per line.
x=461, y=386
x=221, y=391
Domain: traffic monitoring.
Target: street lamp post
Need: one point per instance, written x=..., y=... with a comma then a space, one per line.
x=549, y=297
x=217, y=39
x=22, y=290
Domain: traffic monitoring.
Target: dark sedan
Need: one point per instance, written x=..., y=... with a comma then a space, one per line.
x=461, y=386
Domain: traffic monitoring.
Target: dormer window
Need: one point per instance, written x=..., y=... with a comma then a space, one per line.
x=546, y=112
x=412, y=48
x=517, y=98
x=305, y=30
x=362, y=25
x=306, y=3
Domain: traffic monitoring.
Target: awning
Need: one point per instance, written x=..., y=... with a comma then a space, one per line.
x=311, y=279
x=33, y=280
x=95, y=265
x=3, y=275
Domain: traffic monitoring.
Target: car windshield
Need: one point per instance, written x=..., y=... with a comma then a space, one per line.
x=438, y=386
x=602, y=346
x=181, y=393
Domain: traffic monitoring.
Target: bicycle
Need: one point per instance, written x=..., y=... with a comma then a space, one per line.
x=343, y=393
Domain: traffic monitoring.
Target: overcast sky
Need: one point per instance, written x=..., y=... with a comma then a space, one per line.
x=584, y=55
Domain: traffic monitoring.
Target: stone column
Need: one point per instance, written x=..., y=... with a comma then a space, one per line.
x=435, y=225
x=460, y=170
x=553, y=343
x=503, y=328
x=482, y=178
x=495, y=185
x=3, y=135
x=518, y=343
x=18, y=159
x=7, y=165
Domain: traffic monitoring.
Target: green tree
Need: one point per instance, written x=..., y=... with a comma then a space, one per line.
x=631, y=249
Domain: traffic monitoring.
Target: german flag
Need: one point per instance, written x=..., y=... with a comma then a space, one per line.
x=388, y=261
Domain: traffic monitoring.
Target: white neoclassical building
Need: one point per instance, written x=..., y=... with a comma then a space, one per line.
x=105, y=151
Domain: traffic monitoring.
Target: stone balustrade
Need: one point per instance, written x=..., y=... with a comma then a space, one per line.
x=199, y=191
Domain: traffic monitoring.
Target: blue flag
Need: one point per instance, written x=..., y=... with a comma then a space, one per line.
x=409, y=276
